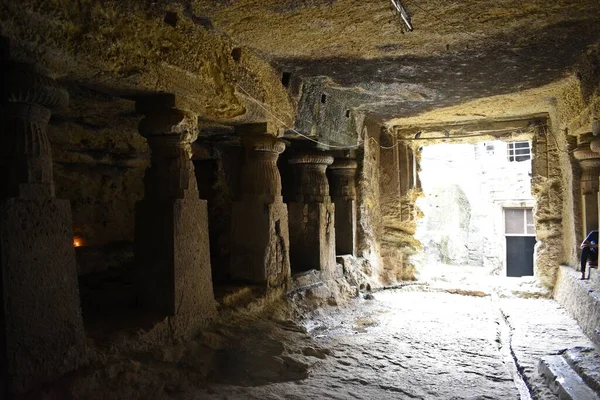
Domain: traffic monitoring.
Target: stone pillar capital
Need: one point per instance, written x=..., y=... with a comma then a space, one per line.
x=311, y=181
x=27, y=98
x=260, y=179
x=342, y=174
x=24, y=83
x=176, y=124
x=590, y=165
x=170, y=132
x=312, y=159
x=257, y=144
x=584, y=152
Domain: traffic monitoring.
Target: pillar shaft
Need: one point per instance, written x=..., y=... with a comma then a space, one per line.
x=42, y=333
x=590, y=171
x=259, y=225
x=312, y=215
x=342, y=177
x=173, y=274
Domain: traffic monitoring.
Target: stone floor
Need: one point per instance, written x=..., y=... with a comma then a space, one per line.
x=434, y=341
x=414, y=344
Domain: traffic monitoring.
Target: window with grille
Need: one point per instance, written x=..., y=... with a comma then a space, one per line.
x=519, y=151
x=518, y=221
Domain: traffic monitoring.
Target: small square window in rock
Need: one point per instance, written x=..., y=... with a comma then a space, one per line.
x=348, y=113
x=236, y=54
x=171, y=18
x=286, y=77
x=323, y=98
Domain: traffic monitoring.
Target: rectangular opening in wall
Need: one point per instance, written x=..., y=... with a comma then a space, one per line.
x=520, y=241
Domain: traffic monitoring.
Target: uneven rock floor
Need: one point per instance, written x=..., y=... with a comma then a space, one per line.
x=411, y=344
x=417, y=342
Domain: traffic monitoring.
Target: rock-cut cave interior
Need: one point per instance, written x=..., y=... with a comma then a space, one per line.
x=299, y=199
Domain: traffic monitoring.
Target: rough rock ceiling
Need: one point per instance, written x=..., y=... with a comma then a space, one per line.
x=459, y=50
x=355, y=51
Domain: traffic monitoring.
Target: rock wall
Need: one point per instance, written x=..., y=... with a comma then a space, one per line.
x=386, y=213
x=399, y=190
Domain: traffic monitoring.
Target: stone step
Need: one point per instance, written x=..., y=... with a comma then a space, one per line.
x=586, y=362
x=564, y=380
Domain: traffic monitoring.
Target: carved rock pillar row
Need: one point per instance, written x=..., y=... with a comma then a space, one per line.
x=590, y=171
x=312, y=215
x=342, y=178
x=259, y=225
x=41, y=328
x=173, y=274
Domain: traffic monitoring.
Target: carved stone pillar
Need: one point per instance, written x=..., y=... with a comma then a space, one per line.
x=312, y=215
x=173, y=275
x=590, y=171
x=342, y=176
x=41, y=329
x=259, y=226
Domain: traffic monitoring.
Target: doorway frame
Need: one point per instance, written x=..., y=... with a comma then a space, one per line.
x=515, y=204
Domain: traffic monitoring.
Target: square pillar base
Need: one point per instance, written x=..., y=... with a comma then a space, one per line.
x=260, y=243
x=345, y=227
x=41, y=328
x=312, y=237
x=173, y=274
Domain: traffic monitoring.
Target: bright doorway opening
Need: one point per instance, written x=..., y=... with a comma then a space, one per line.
x=477, y=209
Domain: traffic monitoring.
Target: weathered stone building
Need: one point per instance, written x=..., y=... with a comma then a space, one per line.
x=218, y=155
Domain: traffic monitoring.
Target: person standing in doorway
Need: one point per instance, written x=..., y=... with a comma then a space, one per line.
x=589, y=252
